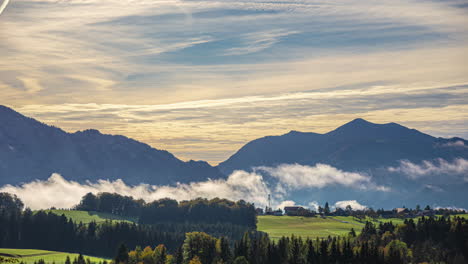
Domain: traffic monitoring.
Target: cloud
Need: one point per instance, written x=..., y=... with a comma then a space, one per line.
x=313, y=205
x=61, y=193
x=295, y=176
x=433, y=188
x=249, y=186
x=458, y=166
x=353, y=203
x=311, y=66
x=258, y=41
x=219, y=127
x=455, y=144
x=157, y=52
x=285, y=204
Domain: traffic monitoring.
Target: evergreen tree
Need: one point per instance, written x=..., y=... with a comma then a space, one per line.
x=122, y=255
x=326, y=210
x=297, y=251
x=311, y=255
x=223, y=250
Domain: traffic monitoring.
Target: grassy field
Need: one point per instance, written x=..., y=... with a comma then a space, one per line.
x=463, y=216
x=351, y=219
x=87, y=217
x=29, y=256
x=278, y=226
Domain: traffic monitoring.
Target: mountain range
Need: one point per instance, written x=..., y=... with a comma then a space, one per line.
x=358, y=146
x=31, y=150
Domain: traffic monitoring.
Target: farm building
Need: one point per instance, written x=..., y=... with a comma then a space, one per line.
x=293, y=210
x=278, y=212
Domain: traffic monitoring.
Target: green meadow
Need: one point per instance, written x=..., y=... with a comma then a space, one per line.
x=463, y=216
x=278, y=226
x=29, y=256
x=89, y=216
x=313, y=227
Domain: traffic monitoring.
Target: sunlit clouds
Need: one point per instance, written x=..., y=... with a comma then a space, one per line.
x=212, y=130
x=202, y=78
x=249, y=186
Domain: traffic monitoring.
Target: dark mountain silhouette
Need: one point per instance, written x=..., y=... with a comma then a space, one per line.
x=31, y=150
x=367, y=148
x=358, y=146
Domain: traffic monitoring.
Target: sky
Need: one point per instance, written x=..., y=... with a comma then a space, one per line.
x=202, y=78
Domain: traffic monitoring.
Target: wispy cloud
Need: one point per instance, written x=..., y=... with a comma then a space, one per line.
x=297, y=176
x=250, y=186
x=61, y=193
x=248, y=68
x=258, y=41
x=214, y=129
x=458, y=166
x=455, y=144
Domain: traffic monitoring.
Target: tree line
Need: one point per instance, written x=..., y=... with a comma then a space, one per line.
x=23, y=228
x=429, y=240
x=199, y=210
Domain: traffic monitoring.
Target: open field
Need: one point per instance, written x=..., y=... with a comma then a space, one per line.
x=463, y=216
x=354, y=220
x=29, y=256
x=86, y=217
x=278, y=226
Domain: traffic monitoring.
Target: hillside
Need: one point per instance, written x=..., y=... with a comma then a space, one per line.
x=312, y=227
x=31, y=150
x=30, y=256
x=86, y=217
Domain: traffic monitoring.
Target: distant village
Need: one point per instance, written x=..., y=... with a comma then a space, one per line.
x=349, y=211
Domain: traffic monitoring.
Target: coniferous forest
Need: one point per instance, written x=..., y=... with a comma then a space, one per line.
x=190, y=238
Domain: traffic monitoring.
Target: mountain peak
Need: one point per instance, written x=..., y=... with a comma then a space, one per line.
x=41, y=150
x=356, y=126
x=359, y=122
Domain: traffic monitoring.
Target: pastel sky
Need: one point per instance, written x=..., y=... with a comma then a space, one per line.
x=202, y=78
